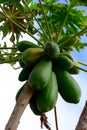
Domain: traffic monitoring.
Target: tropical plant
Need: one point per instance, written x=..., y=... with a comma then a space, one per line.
x=57, y=28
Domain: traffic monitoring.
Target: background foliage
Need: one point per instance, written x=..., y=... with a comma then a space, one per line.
x=42, y=20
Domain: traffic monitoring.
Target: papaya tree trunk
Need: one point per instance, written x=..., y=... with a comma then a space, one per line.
x=82, y=123
x=19, y=108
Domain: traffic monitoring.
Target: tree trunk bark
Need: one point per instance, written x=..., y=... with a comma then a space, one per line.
x=82, y=123
x=19, y=108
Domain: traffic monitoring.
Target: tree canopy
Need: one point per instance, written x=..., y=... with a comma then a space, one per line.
x=43, y=21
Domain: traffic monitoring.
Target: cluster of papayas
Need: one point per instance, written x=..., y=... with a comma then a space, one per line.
x=48, y=71
x=37, y=70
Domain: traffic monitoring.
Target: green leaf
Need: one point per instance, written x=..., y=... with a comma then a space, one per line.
x=16, y=3
x=79, y=2
x=56, y=14
x=4, y=1
x=80, y=46
x=28, y=1
x=5, y=30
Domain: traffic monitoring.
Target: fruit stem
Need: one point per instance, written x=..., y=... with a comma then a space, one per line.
x=36, y=29
x=10, y=60
x=35, y=19
x=51, y=26
x=56, y=120
x=10, y=54
x=44, y=121
x=82, y=63
x=76, y=35
x=8, y=48
x=85, y=70
x=46, y=21
x=65, y=18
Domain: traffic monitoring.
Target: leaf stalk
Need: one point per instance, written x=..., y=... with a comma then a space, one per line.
x=4, y=12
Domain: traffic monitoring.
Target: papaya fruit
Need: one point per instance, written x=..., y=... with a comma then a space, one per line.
x=24, y=73
x=68, y=55
x=74, y=70
x=40, y=74
x=21, y=63
x=33, y=105
x=52, y=50
x=47, y=97
x=64, y=62
x=31, y=55
x=23, y=45
x=69, y=48
x=68, y=87
x=19, y=92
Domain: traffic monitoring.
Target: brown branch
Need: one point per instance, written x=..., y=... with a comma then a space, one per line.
x=56, y=120
x=19, y=108
x=44, y=121
x=82, y=123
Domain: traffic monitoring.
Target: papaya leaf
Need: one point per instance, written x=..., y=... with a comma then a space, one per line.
x=5, y=30
x=79, y=2
x=80, y=46
x=4, y=1
x=56, y=13
x=28, y=1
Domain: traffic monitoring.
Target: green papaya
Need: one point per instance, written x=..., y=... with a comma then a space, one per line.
x=74, y=69
x=67, y=54
x=19, y=92
x=64, y=62
x=47, y=97
x=40, y=74
x=23, y=45
x=24, y=74
x=31, y=55
x=33, y=105
x=68, y=87
x=69, y=48
x=52, y=50
x=21, y=63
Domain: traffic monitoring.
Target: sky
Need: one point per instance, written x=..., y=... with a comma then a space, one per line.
x=68, y=114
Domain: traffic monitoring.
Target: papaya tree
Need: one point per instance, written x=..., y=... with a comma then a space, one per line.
x=46, y=62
